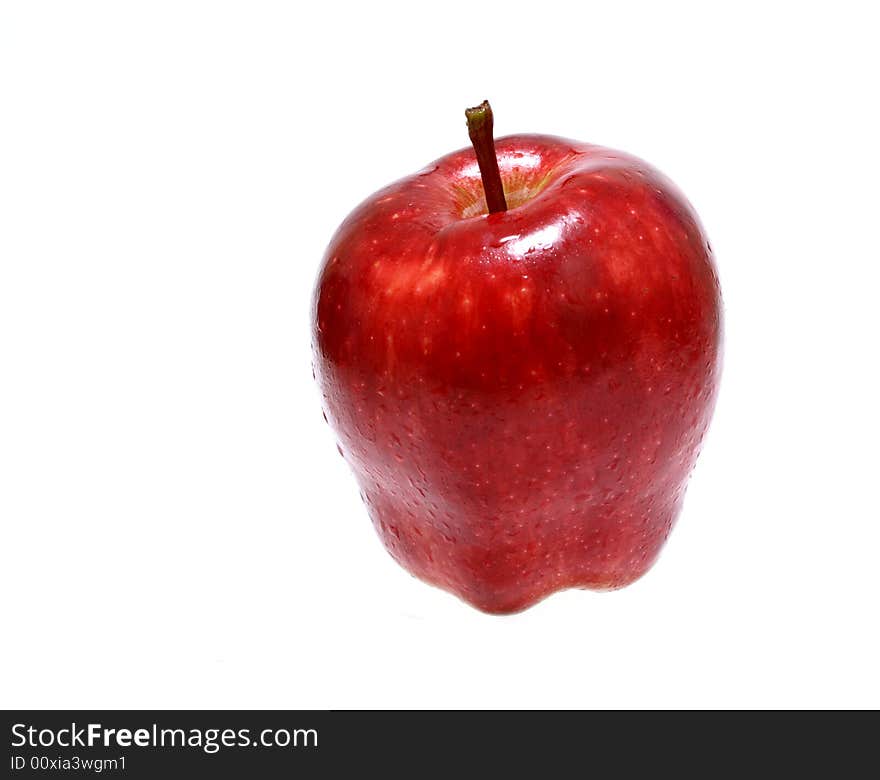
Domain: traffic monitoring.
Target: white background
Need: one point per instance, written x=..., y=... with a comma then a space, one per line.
x=177, y=527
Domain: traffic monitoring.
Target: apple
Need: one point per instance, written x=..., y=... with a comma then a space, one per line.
x=519, y=349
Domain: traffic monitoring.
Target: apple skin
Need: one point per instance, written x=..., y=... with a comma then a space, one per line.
x=522, y=396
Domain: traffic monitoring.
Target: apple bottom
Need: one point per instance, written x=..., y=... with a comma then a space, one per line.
x=595, y=548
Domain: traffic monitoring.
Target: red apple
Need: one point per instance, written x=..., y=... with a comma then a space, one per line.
x=522, y=395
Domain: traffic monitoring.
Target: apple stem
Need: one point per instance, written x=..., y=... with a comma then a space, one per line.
x=480, y=123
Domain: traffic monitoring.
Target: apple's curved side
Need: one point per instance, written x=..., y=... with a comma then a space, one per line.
x=521, y=396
